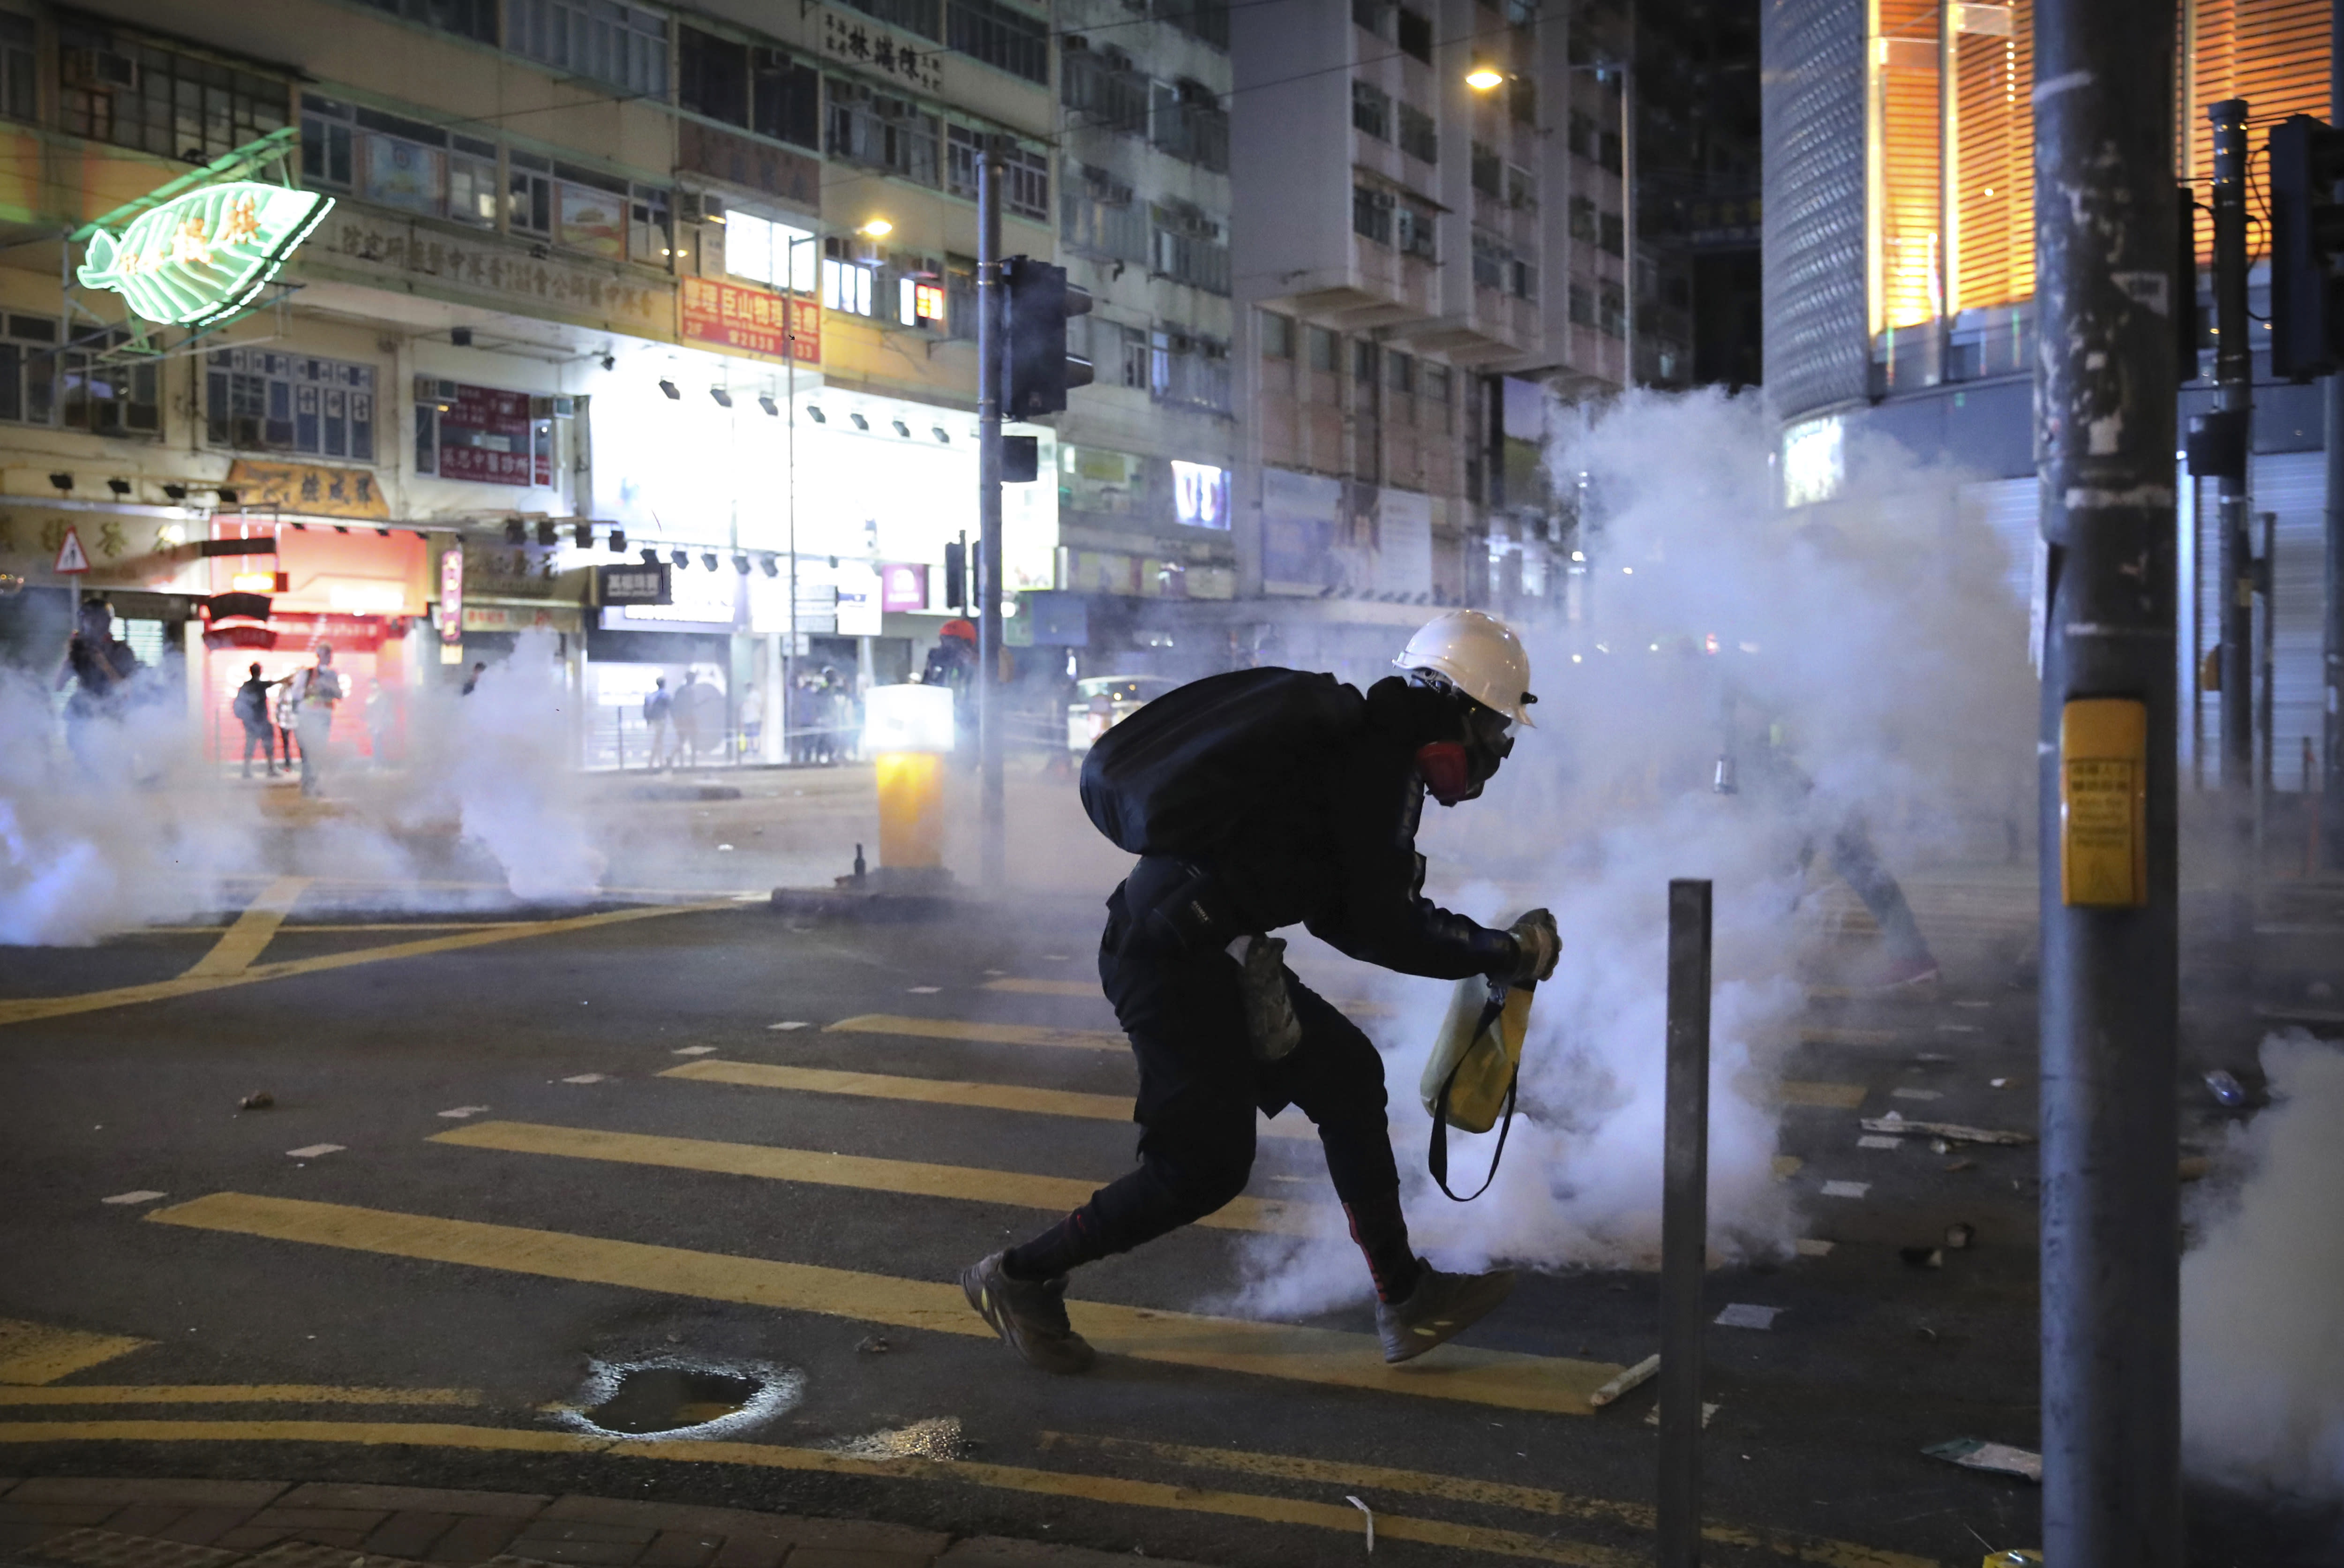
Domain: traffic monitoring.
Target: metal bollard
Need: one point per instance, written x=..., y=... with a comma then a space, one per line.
x=1684, y=1222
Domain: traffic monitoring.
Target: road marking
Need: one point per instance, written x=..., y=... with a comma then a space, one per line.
x=912, y=1177
x=27, y=1009
x=1831, y=1189
x=235, y=1394
x=241, y=943
x=1046, y=988
x=1821, y=1035
x=1829, y=1096
x=1103, y=1489
x=984, y=1034
x=1468, y=1490
x=784, y=1024
x=1876, y=1140
x=1508, y=1379
x=313, y=1151
x=1915, y=1094
x=587, y=1078
x=36, y=1353
x=463, y=1112
x=144, y=1195
x=1814, y=1247
x=942, y=1091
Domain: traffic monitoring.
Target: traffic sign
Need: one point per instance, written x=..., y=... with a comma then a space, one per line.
x=70, y=555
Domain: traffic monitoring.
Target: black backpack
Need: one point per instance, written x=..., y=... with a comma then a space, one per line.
x=1179, y=775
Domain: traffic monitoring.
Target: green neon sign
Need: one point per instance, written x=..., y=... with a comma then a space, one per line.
x=202, y=257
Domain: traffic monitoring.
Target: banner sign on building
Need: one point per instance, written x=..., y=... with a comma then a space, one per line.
x=741, y=319
x=202, y=257
x=485, y=436
x=311, y=487
x=451, y=594
x=639, y=584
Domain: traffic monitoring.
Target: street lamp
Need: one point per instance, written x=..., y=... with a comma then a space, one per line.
x=1485, y=78
x=877, y=228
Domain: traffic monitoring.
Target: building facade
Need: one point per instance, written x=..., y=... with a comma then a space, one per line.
x=1899, y=201
x=600, y=284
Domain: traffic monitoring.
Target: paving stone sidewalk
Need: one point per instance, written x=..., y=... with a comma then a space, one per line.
x=86, y=1522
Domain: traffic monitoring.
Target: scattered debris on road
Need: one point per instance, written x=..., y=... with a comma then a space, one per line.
x=1370, y=1512
x=1747, y=1315
x=1642, y=1373
x=141, y=1196
x=1952, y=1132
x=1973, y=1453
x=258, y=1099
x=1922, y=1257
x=1960, y=1236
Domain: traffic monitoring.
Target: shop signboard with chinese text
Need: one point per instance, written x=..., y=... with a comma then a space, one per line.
x=202, y=257
x=853, y=39
x=637, y=584
x=738, y=318
x=486, y=436
x=313, y=488
x=451, y=594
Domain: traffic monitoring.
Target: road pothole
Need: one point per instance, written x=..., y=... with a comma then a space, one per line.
x=673, y=1397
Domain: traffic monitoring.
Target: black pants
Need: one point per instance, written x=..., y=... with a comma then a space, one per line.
x=1200, y=1085
x=261, y=738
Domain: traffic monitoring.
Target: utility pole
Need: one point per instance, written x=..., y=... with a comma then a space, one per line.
x=2234, y=376
x=2105, y=394
x=2331, y=773
x=1628, y=194
x=991, y=362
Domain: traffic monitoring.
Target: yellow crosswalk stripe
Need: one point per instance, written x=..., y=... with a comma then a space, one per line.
x=914, y=1178
x=37, y=1353
x=1114, y=1490
x=1828, y=1096
x=1502, y=1378
x=942, y=1091
x=1019, y=987
x=242, y=942
x=982, y=1033
x=1470, y=1490
x=234, y=1394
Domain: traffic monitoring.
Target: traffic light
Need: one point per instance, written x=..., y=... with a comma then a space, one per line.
x=956, y=574
x=1037, y=368
x=2306, y=205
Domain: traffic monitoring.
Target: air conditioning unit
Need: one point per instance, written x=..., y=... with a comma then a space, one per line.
x=98, y=70
x=433, y=393
x=699, y=207
x=553, y=408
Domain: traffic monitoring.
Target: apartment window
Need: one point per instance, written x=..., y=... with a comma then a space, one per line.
x=399, y=163
x=1372, y=110
x=1436, y=384
x=712, y=76
x=28, y=369
x=1365, y=362
x=847, y=285
x=1412, y=230
x=1186, y=246
x=1418, y=136
x=1324, y=352
x=1583, y=306
x=925, y=17
x=1206, y=21
x=1010, y=40
x=1097, y=216
x=110, y=397
x=600, y=39
x=1400, y=373
x=1592, y=141
x=1375, y=15
x=1611, y=313
x=1586, y=220
x=1372, y=213
x=1615, y=238
x=1414, y=33
x=1188, y=122
x=590, y=212
x=785, y=98
x=1521, y=99
x=473, y=19
x=1521, y=278
x=1026, y=179
x=1491, y=258
x=136, y=95
x=650, y=230
x=1105, y=86
x=1277, y=336
x=1189, y=371
x=1522, y=191
x=16, y=67
x=260, y=399
x=960, y=295
x=880, y=131
x=768, y=252
x=1489, y=171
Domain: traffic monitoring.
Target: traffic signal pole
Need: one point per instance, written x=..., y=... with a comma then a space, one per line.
x=2234, y=376
x=991, y=378
x=2104, y=396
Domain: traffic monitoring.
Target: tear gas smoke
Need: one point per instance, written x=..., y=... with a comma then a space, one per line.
x=1865, y=661
x=127, y=826
x=2262, y=1339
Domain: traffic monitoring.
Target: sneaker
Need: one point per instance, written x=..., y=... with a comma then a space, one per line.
x=1441, y=1307
x=1031, y=1314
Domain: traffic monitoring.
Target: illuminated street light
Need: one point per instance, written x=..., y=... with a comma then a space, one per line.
x=1485, y=78
x=877, y=228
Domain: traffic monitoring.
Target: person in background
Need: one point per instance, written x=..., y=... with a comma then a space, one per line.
x=687, y=718
x=315, y=691
x=379, y=720
x=99, y=666
x=472, y=681
x=251, y=708
x=659, y=717
x=281, y=719
x=753, y=723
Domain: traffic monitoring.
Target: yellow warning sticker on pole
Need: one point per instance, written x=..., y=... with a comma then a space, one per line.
x=2104, y=803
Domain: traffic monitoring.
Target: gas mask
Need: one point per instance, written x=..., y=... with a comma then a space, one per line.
x=1455, y=770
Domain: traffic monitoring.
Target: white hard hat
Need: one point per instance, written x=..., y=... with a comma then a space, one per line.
x=1480, y=656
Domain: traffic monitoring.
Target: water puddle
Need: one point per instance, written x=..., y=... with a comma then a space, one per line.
x=678, y=1398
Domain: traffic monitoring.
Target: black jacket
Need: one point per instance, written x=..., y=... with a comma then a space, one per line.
x=1337, y=852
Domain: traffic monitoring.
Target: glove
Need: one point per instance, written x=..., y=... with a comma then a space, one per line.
x=1539, y=944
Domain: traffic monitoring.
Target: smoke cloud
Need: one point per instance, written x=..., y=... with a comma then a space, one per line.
x=2262, y=1338
x=1862, y=664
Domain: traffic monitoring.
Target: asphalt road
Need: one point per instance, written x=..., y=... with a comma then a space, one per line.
x=512, y=1146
